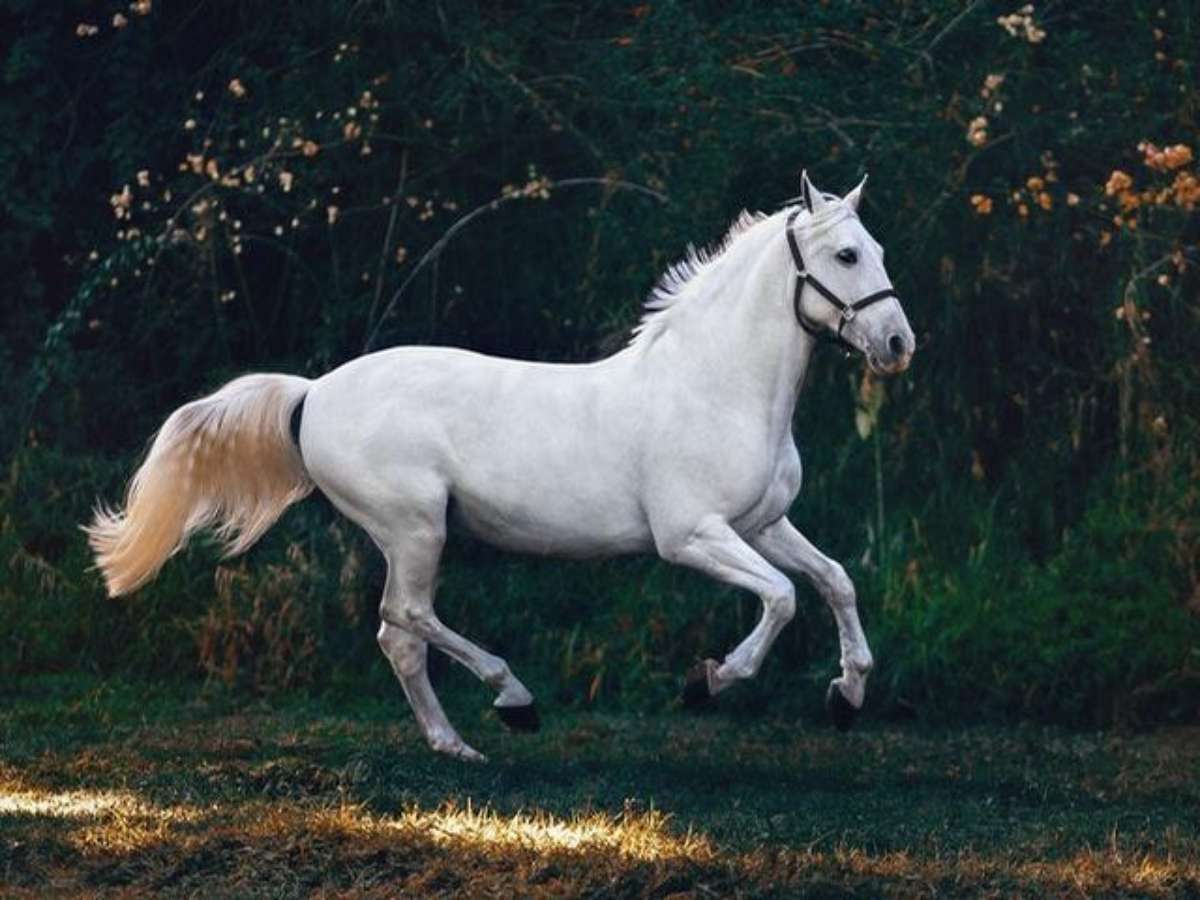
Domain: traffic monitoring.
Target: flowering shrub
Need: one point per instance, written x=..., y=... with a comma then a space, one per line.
x=281, y=189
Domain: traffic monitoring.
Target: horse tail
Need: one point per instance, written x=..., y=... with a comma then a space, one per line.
x=226, y=460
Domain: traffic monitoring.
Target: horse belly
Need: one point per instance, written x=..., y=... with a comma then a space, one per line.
x=566, y=525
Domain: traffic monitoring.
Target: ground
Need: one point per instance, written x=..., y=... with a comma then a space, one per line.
x=131, y=789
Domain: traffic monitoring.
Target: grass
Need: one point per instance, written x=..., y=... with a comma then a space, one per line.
x=138, y=789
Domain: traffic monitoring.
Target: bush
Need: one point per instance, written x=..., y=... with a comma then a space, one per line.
x=1018, y=510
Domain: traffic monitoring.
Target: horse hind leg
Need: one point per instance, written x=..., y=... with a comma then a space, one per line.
x=407, y=655
x=407, y=609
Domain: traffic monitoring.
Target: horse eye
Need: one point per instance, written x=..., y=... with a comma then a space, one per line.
x=848, y=256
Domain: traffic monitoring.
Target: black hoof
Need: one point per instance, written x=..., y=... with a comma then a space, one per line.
x=520, y=718
x=841, y=713
x=695, y=686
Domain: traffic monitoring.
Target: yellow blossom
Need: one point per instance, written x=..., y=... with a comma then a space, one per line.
x=1045, y=201
x=309, y=148
x=121, y=202
x=237, y=88
x=141, y=7
x=977, y=134
x=285, y=180
x=993, y=81
x=1072, y=199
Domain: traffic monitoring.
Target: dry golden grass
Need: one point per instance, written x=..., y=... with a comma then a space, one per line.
x=85, y=840
x=256, y=804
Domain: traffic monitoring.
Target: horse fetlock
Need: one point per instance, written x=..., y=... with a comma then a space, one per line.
x=453, y=745
x=859, y=664
x=495, y=673
x=730, y=671
x=413, y=620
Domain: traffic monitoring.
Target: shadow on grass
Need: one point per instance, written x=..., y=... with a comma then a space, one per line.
x=184, y=798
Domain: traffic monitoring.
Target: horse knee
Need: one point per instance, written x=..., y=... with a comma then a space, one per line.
x=841, y=588
x=783, y=605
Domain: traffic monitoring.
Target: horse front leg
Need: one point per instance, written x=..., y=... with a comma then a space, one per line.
x=713, y=547
x=787, y=548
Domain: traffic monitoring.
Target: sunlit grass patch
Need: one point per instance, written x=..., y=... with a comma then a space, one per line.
x=311, y=797
x=93, y=822
x=634, y=835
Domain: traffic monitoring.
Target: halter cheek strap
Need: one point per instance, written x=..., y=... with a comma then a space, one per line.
x=803, y=276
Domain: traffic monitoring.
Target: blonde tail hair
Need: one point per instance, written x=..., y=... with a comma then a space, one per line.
x=225, y=460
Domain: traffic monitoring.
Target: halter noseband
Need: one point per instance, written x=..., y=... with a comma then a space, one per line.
x=803, y=276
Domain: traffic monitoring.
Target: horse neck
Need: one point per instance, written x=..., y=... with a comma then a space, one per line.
x=737, y=337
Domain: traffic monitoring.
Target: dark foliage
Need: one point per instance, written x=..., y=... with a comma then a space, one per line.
x=194, y=191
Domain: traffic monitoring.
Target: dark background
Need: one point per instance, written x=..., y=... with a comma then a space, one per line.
x=206, y=189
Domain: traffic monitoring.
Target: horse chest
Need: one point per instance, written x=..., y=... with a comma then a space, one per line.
x=772, y=500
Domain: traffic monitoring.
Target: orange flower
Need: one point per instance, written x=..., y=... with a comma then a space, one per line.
x=1118, y=181
x=1167, y=158
x=982, y=204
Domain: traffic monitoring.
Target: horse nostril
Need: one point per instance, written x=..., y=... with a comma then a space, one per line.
x=896, y=345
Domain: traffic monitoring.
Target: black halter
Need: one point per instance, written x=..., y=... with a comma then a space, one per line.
x=848, y=310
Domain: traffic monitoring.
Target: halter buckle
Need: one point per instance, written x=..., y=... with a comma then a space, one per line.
x=848, y=314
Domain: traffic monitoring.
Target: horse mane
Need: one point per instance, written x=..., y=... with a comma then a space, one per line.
x=670, y=286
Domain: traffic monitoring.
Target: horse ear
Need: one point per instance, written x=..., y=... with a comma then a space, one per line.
x=855, y=196
x=813, y=198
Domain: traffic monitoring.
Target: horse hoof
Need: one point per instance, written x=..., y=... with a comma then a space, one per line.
x=520, y=718
x=840, y=710
x=695, y=686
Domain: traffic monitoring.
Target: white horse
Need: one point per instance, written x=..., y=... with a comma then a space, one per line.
x=681, y=443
